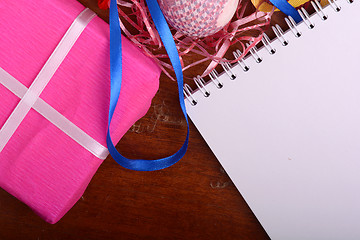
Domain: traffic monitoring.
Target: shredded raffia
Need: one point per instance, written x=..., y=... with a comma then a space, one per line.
x=137, y=25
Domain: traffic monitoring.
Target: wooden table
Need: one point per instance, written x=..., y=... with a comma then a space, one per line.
x=194, y=199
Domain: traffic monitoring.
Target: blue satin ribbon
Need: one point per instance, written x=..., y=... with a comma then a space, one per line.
x=116, y=75
x=286, y=8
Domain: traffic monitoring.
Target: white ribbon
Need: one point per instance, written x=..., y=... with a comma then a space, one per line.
x=30, y=97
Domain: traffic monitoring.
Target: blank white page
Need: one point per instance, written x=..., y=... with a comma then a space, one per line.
x=288, y=131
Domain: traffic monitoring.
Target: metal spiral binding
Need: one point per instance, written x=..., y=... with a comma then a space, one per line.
x=254, y=53
x=267, y=44
x=241, y=62
x=334, y=6
x=280, y=35
x=319, y=10
x=292, y=25
x=200, y=83
x=227, y=68
x=305, y=16
x=214, y=76
x=188, y=94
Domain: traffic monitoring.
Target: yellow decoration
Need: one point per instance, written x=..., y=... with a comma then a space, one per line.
x=263, y=6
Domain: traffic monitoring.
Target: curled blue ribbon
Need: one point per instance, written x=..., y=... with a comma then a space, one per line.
x=116, y=78
x=286, y=8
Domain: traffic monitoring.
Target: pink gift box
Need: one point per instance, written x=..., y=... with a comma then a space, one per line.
x=40, y=164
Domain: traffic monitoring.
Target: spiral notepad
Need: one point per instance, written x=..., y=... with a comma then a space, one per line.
x=285, y=124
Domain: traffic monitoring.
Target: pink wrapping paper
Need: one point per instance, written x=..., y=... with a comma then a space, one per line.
x=41, y=165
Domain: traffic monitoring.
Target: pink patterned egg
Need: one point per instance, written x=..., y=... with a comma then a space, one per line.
x=198, y=18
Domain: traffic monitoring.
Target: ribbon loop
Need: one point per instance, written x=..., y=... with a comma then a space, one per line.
x=116, y=79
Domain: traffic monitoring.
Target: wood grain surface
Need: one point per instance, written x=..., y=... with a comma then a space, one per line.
x=194, y=199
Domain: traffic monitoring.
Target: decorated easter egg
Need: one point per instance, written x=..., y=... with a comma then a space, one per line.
x=198, y=18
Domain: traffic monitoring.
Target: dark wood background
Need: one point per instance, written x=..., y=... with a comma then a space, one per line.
x=194, y=199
